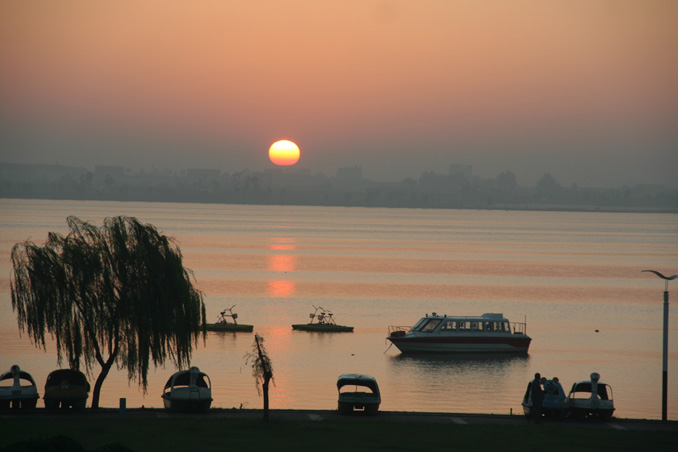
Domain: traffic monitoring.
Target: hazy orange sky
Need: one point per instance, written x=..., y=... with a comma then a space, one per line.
x=586, y=90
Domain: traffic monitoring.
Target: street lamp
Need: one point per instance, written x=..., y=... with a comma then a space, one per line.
x=665, y=360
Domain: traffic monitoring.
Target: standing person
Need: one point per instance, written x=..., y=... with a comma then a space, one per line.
x=537, y=397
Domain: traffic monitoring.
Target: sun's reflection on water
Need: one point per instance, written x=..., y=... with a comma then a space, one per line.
x=283, y=264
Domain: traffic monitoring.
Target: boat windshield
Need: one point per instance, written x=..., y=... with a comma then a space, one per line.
x=429, y=326
x=419, y=323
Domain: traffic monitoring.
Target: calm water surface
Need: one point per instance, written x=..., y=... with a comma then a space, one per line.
x=569, y=274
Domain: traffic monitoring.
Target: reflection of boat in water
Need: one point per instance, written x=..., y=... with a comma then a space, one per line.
x=224, y=324
x=591, y=398
x=489, y=333
x=322, y=322
x=188, y=390
x=22, y=393
x=460, y=360
x=447, y=367
x=554, y=403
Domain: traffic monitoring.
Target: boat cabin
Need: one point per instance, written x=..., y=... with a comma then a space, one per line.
x=487, y=323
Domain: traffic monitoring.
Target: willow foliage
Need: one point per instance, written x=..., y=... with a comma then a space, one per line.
x=116, y=294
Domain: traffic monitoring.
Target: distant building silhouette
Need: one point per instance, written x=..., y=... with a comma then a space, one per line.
x=104, y=171
x=27, y=173
x=465, y=171
x=349, y=177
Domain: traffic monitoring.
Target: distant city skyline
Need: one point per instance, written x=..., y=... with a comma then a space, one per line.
x=469, y=170
x=456, y=189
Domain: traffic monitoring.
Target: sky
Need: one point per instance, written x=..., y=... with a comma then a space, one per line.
x=586, y=90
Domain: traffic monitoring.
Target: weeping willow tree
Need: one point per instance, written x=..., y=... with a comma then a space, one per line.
x=262, y=369
x=118, y=294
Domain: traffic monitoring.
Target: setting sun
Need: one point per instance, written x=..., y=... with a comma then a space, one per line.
x=284, y=153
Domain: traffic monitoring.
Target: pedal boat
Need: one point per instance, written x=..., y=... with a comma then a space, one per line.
x=17, y=389
x=66, y=388
x=554, y=404
x=227, y=322
x=188, y=390
x=322, y=322
x=358, y=393
x=591, y=399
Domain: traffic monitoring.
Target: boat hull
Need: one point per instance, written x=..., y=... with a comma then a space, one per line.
x=186, y=404
x=318, y=328
x=19, y=401
x=230, y=328
x=462, y=344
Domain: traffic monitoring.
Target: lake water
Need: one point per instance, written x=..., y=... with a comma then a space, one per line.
x=575, y=277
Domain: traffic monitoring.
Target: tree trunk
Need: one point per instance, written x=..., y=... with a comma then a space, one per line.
x=105, y=368
x=265, y=391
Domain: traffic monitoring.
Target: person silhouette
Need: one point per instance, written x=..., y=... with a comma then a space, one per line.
x=537, y=396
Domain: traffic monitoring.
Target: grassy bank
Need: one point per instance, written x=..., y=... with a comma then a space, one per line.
x=148, y=435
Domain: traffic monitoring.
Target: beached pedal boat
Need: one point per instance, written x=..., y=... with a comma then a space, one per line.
x=322, y=322
x=17, y=389
x=353, y=395
x=66, y=388
x=227, y=322
x=555, y=402
x=591, y=399
x=188, y=390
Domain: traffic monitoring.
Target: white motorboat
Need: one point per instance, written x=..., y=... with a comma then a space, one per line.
x=17, y=389
x=188, y=390
x=488, y=333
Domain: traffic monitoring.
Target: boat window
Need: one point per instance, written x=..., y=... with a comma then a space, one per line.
x=602, y=392
x=489, y=326
x=430, y=325
x=201, y=382
x=477, y=326
x=464, y=325
x=449, y=325
x=502, y=326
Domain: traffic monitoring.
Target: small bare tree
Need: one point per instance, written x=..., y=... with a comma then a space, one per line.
x=262, y=369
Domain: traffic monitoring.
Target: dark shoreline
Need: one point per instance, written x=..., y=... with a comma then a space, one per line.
x=158, y=430
x=138, y=414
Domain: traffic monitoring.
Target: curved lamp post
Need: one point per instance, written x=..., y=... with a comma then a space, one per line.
x=665, y=360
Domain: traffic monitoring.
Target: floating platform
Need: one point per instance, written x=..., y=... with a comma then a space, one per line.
x=323, y=328
x=229, y=328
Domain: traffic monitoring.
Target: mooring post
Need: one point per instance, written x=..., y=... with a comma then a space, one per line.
x=123, y=407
